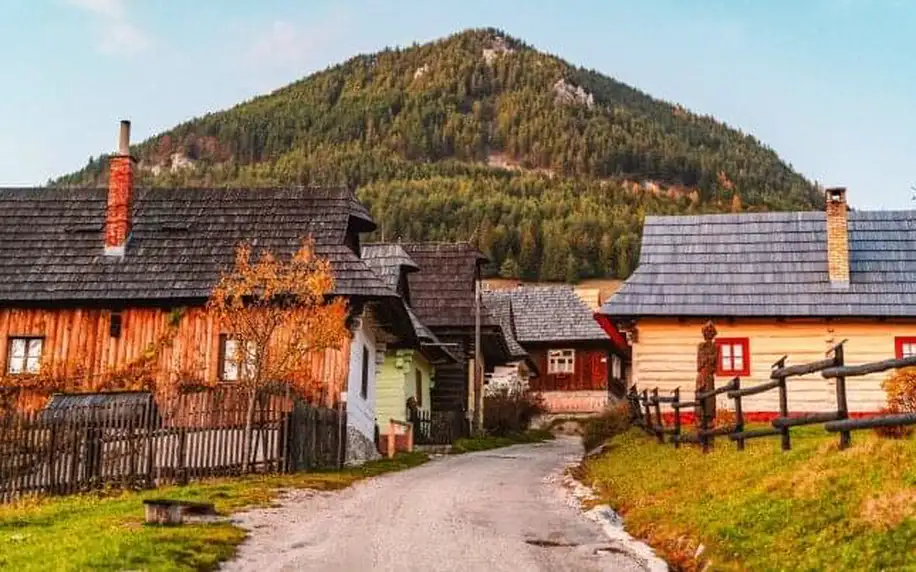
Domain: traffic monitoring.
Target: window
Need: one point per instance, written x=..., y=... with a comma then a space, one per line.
x=905, y=347
x=364, y=385
x=114, y=327
x=234, y=361
x=24, y=355
x=561, y=361
x=419, y=389
x=733, y=356
x=616, y=369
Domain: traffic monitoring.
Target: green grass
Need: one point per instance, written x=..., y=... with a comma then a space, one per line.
x=107, y=532
x=471, y=444
x=812, y=508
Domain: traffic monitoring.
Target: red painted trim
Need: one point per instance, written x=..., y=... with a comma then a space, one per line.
x=898, y=344
x=745, y=352
x=616, y=337
x=757, y=416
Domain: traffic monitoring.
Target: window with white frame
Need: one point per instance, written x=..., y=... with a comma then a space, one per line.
x=24, y=355
x=561, y=361
x=906, y=346
x=616, y=367
x=236, y=361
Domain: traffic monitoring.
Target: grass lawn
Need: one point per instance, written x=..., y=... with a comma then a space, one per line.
x=812, y=508
x=471, y=444
x=107, y=532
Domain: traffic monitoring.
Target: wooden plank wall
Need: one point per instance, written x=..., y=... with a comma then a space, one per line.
x=450, y=392
x=591, y=370
x=78, y=345
x=665, y=356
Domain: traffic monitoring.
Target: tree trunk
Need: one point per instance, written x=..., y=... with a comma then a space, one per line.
x=246, y=440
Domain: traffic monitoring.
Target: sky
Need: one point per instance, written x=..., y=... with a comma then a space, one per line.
x=829, y=84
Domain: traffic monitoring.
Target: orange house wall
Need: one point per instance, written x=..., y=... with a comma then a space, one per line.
x=75, y=337
x=664, y=356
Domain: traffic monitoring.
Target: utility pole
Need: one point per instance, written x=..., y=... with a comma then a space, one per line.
x=478, y=361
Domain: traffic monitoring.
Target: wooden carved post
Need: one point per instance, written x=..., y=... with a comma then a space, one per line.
x=705, y=411
x=783, y=405
x=677, y=417
x=739, y=414
x=841, y=406
x=659, y=433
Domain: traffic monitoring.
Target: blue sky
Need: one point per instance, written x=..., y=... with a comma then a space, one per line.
x=829, y=84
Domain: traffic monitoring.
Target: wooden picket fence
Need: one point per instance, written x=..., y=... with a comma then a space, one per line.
x=130, y=440
x=645, y=406
x=438, y=427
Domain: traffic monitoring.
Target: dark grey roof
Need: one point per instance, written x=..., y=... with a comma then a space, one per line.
x=442, y=292
x=550, y=313
x=770, y=264
x=101, y=407
x=388, y=261
x=51, y=240
x=500, y=307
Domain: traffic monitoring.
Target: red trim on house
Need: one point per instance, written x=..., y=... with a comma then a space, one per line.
x=898, y=344
x=757, y=416
x=745, y=353
x=611, y=330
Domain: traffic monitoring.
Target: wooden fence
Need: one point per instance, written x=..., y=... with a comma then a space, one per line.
x=645, y=406
x=142, y=443
x=438, y=427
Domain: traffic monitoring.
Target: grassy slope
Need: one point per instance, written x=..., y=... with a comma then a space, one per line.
x=96, y=532
x=814, y=508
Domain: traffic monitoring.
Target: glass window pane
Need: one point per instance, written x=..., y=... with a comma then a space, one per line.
x=17, y=348
x=17, y=364
x=737, y=350
x=738, y=363
x=909, y=349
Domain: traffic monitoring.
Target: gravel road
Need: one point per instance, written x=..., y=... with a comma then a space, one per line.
x=497, y=510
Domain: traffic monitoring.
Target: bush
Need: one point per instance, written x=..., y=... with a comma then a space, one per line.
x=612, y=421
x=900, y=387
x=506, y=412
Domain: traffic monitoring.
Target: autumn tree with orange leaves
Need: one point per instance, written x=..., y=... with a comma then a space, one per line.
x=276, y=315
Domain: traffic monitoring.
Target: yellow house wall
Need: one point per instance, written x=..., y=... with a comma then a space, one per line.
x=664, y=356
x=396, y=382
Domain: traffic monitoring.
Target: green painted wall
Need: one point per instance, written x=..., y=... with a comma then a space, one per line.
x=396, y=382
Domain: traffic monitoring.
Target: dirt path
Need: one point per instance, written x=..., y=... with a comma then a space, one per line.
x=496, y=510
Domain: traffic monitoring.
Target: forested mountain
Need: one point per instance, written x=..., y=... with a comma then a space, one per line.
x=550, y=168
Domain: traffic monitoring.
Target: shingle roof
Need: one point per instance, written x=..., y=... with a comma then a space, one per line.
x=550, y=313
x=442, y=292
x=51, y=240
x=770, y=264
x=500, y=307
x=388, y=261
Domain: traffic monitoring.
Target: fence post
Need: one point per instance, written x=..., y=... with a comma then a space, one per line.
x=182, y=453
x=785, y=437
x=739, y=415
x=647, y=413
x=677, y=417
x=659, y=434
x=841, y=405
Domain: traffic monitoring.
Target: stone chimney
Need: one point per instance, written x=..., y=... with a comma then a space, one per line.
x=120, y=195
x=837, y=237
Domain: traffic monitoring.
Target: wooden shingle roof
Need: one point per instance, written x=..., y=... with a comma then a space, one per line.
x=51, y=241
x=442, y=291
x=549, y=314
x=388, y=260
x=770, y=265
x=499, y=306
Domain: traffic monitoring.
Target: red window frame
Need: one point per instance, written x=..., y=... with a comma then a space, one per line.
x=898, y=344
x=745, y=353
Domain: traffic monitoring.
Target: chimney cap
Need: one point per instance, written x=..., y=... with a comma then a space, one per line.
x=124, y=138
x=836, y=194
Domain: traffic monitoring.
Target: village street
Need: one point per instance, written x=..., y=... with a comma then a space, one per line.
x=504, y=509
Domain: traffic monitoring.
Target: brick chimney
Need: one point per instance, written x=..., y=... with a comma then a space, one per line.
x=120, y=195
x=837, y=237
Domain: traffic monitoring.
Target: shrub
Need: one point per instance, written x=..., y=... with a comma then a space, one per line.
x=506, y=412
x=900, y=387
x=612, y=421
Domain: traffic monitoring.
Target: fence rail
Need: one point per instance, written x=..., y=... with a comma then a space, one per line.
x=645, y=406
x=144, y=443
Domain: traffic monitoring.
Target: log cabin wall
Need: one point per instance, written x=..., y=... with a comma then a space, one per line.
x=450, y=390
x=80, y=338
x=665, y=356
x=590, y=369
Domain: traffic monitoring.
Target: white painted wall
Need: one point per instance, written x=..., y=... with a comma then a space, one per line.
x=361, y=411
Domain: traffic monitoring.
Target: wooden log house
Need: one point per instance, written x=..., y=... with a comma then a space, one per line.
x=93, y=280
x=774, y=284
x=576, y=366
